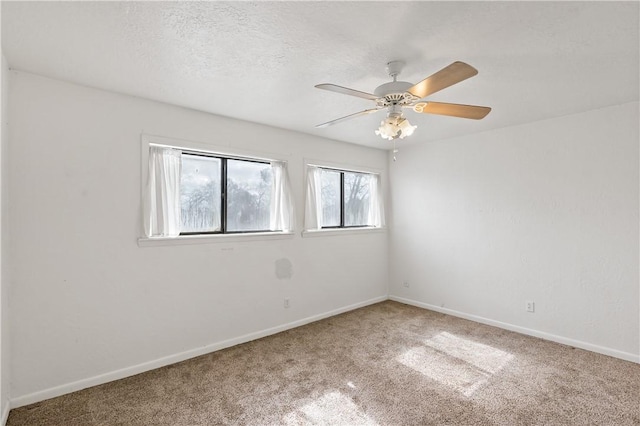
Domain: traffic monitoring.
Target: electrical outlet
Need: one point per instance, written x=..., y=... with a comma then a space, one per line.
x=530, y=306
x=406, y=284
x=286, y=302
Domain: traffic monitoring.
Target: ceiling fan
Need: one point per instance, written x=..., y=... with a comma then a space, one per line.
x=396, y=95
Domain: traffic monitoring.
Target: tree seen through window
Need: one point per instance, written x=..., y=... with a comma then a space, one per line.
x=247, y=194
x=345, y=198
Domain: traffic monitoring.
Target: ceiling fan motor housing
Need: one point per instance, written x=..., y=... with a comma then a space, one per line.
x=394, y=93
x=393, y=87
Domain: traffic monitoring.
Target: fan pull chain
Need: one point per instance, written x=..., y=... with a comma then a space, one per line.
x=395, y=151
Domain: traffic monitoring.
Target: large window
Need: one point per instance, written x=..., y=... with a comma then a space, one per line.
x=224, y=195
x=192, y=192
x=342, y=199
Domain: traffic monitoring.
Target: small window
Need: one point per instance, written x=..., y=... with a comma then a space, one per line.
x=345, y=198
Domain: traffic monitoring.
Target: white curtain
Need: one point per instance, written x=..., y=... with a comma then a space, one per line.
x=282, y=207
x=162, y=204
x=313, y=204
x=376, y=206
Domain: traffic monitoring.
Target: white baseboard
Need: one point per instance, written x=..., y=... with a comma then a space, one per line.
x=523, y=330
x=172, y=359
x=6, y=407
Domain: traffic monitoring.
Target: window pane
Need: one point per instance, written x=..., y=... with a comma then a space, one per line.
x=356, y=198
x=200, y=193
x=330, y=198
x=248, y=196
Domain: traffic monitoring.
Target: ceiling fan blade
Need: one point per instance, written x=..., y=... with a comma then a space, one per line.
x=348, y=117
x=346, y=91
x=454, y=110
x=447, y=76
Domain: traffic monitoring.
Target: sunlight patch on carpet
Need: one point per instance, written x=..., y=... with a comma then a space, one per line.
x=330, y=409
x=459, y=363
x=485, y=357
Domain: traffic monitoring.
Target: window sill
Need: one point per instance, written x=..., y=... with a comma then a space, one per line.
x=341, y=231
x=208, y=239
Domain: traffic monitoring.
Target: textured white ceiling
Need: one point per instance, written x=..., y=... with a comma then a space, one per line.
x=259, y=61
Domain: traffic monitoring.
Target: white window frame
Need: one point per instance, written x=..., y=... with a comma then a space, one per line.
x=147, y=140
x=341, y=167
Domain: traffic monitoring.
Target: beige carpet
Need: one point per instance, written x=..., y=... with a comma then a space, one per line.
x=386, y=364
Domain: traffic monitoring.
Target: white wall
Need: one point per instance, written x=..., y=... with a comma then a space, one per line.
x=88, y=301
x=546, y=212
x=4, y=238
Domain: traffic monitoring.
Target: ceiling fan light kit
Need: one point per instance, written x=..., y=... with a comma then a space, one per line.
x=396, y=95
x=395, y=126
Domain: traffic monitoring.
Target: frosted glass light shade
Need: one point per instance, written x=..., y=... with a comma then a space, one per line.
x=395, y=127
